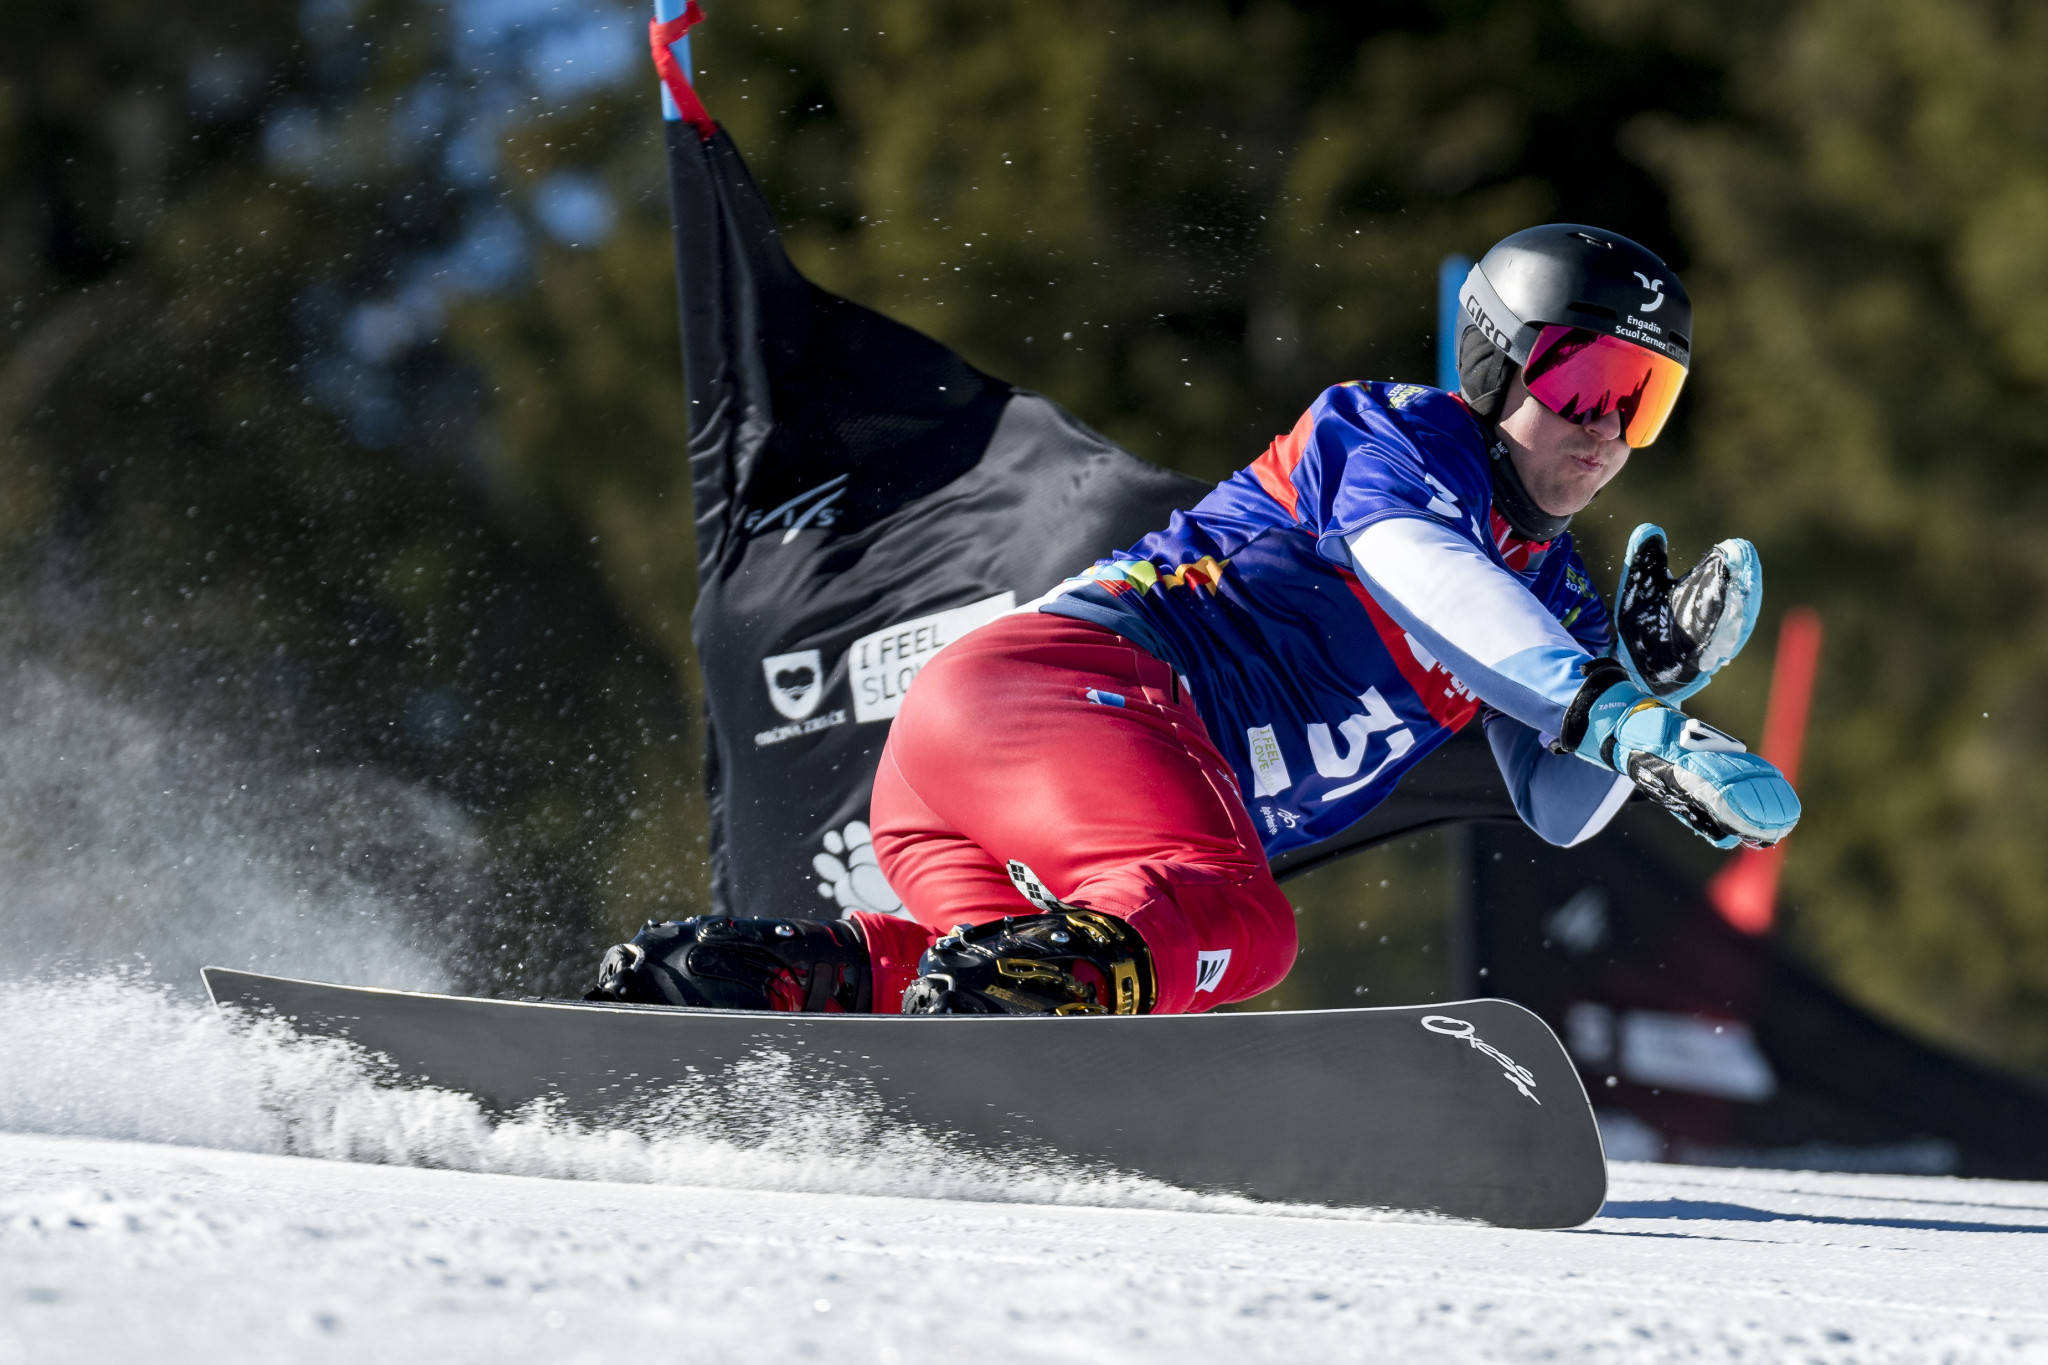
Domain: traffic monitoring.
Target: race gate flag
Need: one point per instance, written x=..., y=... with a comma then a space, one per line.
x=863, y=496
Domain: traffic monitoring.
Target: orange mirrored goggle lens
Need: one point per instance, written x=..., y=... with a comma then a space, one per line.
x=1582, y=375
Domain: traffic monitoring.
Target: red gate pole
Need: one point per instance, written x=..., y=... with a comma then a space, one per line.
x=1746, y=890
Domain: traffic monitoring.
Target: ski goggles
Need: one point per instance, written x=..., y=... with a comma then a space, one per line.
x=1582, y=375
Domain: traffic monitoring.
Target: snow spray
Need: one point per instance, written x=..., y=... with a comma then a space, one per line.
x=158, y=815
x=120, y=1057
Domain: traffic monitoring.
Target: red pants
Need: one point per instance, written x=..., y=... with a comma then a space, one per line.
x=1067, y=748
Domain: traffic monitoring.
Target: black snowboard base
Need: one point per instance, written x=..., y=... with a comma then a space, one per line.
x=1468, y=1110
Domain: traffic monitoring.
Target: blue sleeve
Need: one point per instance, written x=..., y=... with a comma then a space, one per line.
x=1564, y=799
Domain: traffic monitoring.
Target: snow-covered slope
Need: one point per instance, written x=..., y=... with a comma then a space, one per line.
x=121, y=1250
x=160, y=1198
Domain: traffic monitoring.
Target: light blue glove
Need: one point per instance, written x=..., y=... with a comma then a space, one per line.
x=1672, y=635
x=1702, y=776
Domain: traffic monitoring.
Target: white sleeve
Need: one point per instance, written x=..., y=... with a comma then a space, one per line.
x=1478, y=619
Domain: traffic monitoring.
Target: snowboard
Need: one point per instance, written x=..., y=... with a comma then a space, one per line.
x=1468, y=1110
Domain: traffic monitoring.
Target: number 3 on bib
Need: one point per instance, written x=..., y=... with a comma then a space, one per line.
x=1357, y=732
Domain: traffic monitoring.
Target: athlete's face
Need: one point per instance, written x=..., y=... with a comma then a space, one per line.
x=1562, y=463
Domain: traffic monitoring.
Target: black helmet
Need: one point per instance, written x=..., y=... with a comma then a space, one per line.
x=1563, y=274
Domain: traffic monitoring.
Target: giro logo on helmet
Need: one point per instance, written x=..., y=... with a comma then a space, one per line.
x=1487, y=326
x=1656, y=288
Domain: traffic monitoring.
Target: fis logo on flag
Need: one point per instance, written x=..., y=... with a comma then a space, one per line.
x=817, y=508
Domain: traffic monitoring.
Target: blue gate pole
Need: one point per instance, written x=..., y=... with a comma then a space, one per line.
x=666, y=10
x=1449, y=277
x=1465, y=960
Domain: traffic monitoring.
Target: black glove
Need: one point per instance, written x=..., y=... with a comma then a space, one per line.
x=1672, y=635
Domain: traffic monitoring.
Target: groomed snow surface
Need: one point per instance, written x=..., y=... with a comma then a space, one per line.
x=173, y=1189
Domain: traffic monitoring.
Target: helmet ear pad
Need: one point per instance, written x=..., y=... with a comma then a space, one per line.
x=1483, y=373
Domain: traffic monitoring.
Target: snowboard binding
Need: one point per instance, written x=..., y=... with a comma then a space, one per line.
x=718, y=962
x=1064, y=962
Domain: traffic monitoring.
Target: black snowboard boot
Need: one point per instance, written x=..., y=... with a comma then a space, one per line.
x=741, y=964
x=1064, y=962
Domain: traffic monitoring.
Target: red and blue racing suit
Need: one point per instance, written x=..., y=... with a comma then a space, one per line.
x=1251, y=679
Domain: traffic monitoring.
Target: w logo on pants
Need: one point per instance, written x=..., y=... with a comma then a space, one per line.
x=1209, y=969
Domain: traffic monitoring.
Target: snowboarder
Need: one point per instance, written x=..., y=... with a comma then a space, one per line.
x=1077, y=801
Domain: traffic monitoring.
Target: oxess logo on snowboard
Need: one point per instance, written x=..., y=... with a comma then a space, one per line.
x=1520, y=1077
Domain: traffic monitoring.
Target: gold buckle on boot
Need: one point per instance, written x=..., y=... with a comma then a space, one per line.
x=1124, y=984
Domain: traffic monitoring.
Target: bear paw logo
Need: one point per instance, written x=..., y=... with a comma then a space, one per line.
x=848, y=874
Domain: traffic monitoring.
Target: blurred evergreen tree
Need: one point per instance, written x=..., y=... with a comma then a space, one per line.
x=1865, y=220
x=230, y=436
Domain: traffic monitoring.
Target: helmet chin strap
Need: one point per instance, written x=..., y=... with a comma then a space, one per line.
x=1511, y=495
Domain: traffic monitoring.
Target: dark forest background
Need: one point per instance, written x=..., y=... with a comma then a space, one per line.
x=341, y=421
